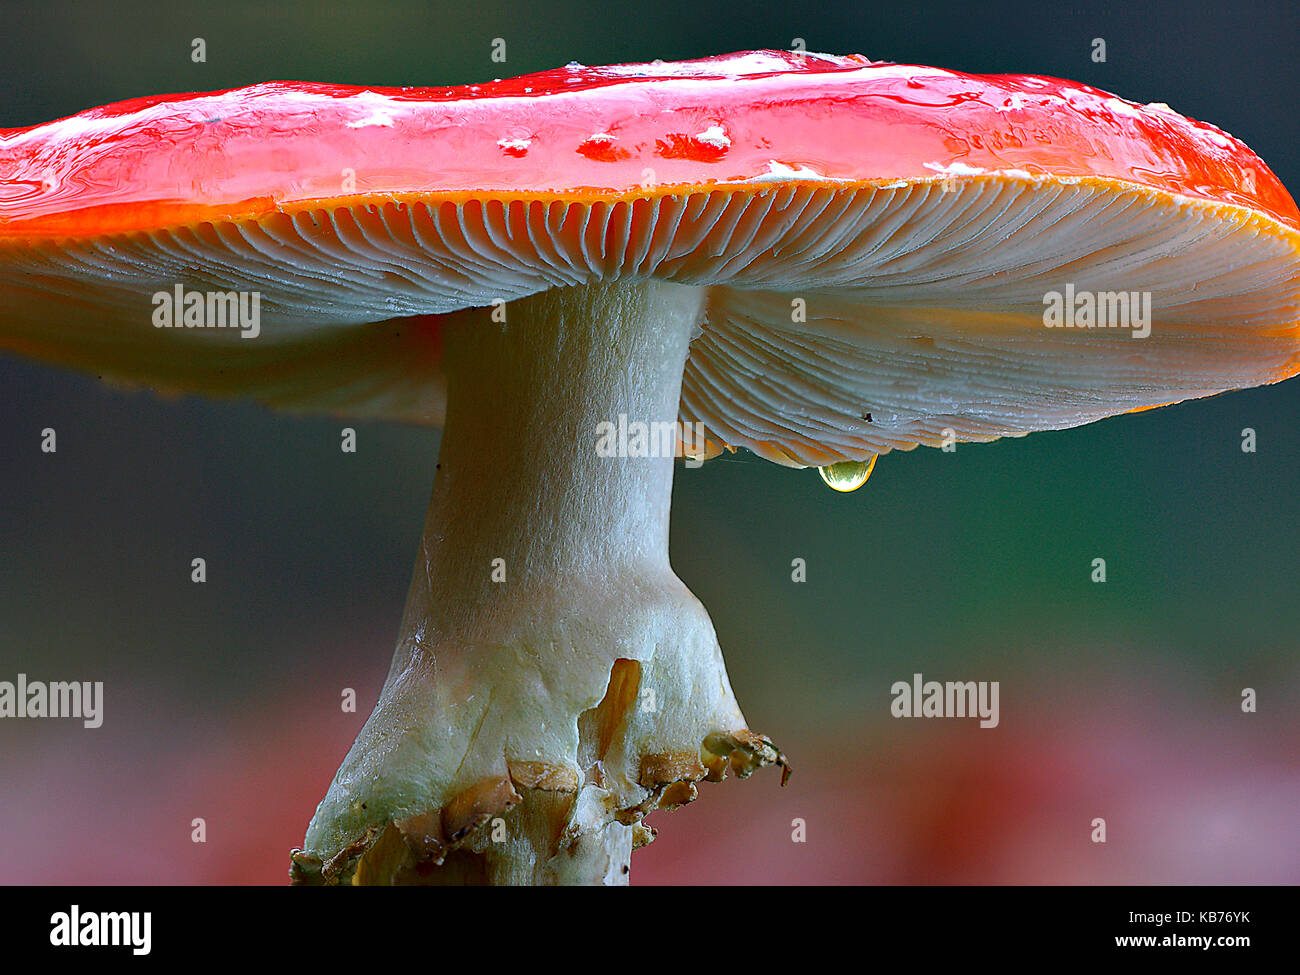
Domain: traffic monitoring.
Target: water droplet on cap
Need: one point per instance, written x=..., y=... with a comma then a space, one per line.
x=848, y=475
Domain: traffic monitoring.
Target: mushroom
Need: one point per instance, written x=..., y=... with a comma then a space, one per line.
x=816, y=258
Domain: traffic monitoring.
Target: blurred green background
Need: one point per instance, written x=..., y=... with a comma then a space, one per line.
x=1118, y=700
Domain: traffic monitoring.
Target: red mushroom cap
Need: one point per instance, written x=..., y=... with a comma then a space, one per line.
x=921, y=215
x=592, y=133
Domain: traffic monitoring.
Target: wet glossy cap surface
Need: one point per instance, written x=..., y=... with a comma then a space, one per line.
x=598, y=132
x=877, y=242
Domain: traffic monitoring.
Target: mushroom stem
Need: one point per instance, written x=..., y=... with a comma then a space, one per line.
x=525, y=401
x=554, y=680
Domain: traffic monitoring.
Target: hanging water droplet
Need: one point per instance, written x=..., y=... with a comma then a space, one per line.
x=848, y=475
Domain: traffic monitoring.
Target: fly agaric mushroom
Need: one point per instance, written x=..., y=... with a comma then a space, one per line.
x=817, y=258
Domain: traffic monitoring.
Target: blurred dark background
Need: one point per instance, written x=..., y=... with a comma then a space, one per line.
x=1119, y=700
